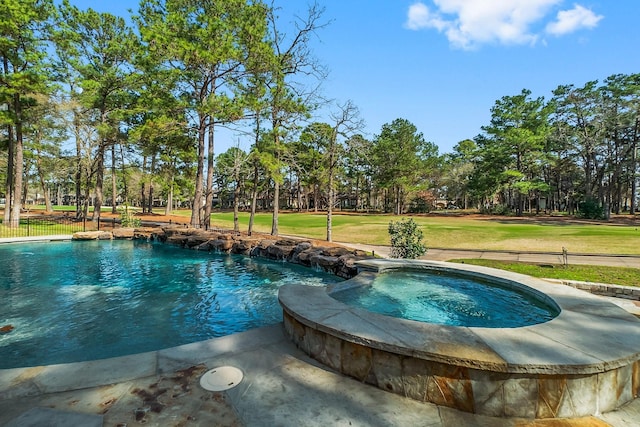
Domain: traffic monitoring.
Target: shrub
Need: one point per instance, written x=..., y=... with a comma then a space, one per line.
x=406, y=239
x=590, y=209
x=127, y=219
x=419, y=205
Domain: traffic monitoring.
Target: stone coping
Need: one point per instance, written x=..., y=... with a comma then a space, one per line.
x=590, y=335
x=25, y=239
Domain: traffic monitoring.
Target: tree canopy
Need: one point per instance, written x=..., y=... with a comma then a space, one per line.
x=90, y=98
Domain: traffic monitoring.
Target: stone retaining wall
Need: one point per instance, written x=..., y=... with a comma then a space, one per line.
x=602, y=289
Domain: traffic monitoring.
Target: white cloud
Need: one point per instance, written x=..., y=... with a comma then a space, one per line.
x=572, y=20
x=470, y=23
x=420, y=17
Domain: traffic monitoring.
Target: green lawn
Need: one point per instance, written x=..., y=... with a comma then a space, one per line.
x=457, y=232
x=584, y=273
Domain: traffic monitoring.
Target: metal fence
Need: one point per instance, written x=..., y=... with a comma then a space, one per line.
x=45, y=225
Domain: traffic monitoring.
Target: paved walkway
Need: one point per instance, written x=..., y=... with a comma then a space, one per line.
x=439, y=254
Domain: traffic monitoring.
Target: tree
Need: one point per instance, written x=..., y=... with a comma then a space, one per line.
x=204, y=45
x=513, y=144
x=621, y=110
x=457, y=172
x=98, y=48
x=309, y=154
x=346, y=122
x=578, y=111
x=232, y=166
x=24, y=31
x=403, y=161
x=287, y=100
x=358, y=169
x=45, y=135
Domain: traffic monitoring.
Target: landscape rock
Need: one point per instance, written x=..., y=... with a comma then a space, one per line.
x=92, y=235
x=149, y=233
x=334, y=259
x=123, y=233
x=243, y=246
x=279, y=251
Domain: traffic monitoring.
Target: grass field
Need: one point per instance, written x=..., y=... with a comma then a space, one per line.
x=583, y=273
x=460, y=232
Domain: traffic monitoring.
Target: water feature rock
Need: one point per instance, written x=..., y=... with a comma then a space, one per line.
x=148, y=233
x=335, y=259
x=305, y=256
x=280, y=250
x=327, y=263
x=123, y=233
x=176, y=239
x=346, y=267
x=222, y=245
x=92, y=235
x=243, y=246
x=335, y=251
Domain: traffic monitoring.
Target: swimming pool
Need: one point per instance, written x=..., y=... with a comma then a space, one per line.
x=77, y=301
x=448, y=299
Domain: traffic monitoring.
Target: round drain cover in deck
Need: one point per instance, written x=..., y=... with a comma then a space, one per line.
x=222, y=378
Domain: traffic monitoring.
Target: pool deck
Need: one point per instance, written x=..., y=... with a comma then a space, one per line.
x=282, y=386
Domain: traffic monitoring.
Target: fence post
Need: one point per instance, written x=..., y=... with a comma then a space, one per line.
x=28, y=227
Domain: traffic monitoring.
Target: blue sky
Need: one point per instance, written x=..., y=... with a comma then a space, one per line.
x=442, y=64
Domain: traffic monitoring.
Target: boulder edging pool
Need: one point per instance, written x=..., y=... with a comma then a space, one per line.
x=583, y=362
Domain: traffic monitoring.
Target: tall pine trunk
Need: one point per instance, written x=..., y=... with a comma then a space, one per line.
x=18, y=169
x=114, y=190
x=196, y=210
x=209, y=192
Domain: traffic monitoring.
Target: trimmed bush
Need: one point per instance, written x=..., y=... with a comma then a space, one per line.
x=406, y=239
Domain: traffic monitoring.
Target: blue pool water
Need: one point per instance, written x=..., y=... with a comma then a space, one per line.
x=447, y=299
x=75, y=301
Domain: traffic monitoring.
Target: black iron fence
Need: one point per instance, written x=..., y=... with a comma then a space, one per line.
x=45, y=225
